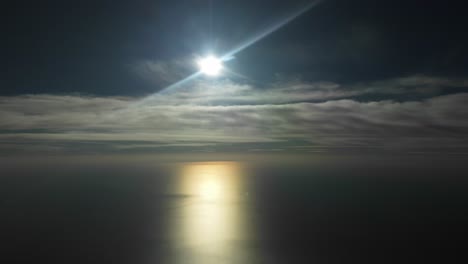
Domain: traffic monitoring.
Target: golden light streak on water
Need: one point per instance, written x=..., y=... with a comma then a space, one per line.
x=211, y=223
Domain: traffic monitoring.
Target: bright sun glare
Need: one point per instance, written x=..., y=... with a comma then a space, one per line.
x=210, y=190
x=210, y=65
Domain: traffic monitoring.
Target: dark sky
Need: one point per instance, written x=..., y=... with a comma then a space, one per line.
x=89, y=47
x=94, y=76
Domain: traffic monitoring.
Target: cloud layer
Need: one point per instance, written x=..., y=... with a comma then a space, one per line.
x=223, y=115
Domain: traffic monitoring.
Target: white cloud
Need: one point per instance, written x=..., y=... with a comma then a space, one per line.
x=229, y=113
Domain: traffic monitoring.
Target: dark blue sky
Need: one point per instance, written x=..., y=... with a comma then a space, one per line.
x=89, y=47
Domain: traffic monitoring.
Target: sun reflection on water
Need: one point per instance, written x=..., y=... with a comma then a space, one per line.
x=214, y=181
x=211, y=222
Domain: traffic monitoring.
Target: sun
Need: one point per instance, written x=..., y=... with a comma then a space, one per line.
x=210, y=65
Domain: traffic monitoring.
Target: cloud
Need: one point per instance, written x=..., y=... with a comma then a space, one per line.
x=160, y=72
x=418, y=84
x=226, y=115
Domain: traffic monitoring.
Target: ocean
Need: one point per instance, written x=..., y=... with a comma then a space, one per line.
x=347, y=210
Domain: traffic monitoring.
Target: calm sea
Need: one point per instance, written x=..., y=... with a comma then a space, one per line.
x=229, y=212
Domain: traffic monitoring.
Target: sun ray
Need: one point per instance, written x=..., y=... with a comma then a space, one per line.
x=215, y=66
x=271, y=29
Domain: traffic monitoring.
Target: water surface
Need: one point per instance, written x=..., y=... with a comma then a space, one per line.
x=229, y=212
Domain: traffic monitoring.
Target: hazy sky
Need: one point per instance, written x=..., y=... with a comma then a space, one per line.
x=366, y=76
